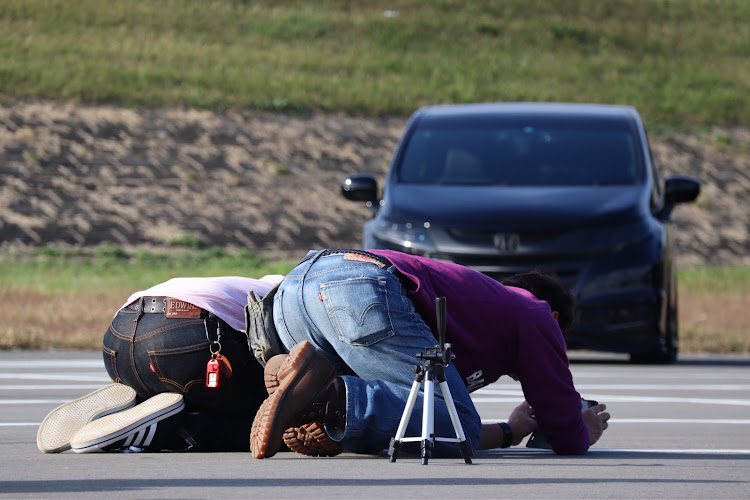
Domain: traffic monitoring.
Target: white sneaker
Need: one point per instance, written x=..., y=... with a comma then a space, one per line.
x=61, y=423
x=135, y=427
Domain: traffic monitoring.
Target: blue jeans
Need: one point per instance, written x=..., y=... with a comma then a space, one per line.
x=357, y=314
x=153, y=354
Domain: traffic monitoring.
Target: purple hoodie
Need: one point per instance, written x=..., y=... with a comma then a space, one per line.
x=497, y=330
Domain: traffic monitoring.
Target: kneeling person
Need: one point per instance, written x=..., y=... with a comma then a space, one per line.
x=368, y=313
x=184, y=377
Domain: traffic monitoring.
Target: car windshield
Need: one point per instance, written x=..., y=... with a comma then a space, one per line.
x=522, y=155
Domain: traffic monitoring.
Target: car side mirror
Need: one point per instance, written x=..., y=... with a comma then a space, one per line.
x=681, y=189
x=678, y=189
x=360, y=187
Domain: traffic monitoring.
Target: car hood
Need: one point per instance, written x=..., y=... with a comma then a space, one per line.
x=520, y=209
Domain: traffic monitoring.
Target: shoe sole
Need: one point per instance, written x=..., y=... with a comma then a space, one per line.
x=310, y=439
x=59, y=426
x=118, y=426
x=271, y=372
x=267, y=431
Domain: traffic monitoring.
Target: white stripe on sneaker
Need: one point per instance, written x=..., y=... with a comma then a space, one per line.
x=138, y=439
x=150, y=437
x=128, y=441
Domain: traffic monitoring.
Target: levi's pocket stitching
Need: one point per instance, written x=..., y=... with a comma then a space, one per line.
x=360, y=316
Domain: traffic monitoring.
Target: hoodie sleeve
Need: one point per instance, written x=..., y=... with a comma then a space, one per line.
x=547, y=384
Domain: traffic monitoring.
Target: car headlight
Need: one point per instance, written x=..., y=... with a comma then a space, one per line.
x=413, y=237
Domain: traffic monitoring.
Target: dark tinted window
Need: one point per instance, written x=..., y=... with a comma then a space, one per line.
x=530, y=155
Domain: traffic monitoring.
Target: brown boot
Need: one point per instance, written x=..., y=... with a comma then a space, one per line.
x=309, y=439
x=271, y=372
x=308, y=392
x=312, y=440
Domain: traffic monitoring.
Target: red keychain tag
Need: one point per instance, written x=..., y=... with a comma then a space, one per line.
x=213, y=374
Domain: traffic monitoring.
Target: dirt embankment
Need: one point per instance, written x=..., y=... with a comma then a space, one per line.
x=81, y=175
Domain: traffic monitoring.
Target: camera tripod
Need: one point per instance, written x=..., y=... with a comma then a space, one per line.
x=435, y=360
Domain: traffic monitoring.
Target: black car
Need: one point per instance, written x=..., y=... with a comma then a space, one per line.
x=567, y=188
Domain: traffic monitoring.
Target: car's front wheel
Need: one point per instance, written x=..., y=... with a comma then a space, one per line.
x=667, y=353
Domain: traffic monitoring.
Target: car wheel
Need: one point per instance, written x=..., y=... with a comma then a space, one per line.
x=668, y=353
x=673, y=340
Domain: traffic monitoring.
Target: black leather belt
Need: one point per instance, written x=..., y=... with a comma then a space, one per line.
x=169, y=307
x=172, y=308
x=153, y=305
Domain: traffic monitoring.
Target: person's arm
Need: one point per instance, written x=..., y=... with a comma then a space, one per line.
x=521, y=423
x=547, y=384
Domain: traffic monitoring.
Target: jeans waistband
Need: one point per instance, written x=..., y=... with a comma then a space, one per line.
x=174, y=309
x=169, y=307
x=366, y=256
x=363, y=256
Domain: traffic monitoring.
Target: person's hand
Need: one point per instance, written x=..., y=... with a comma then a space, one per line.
x=596, y=420
x=522, y=422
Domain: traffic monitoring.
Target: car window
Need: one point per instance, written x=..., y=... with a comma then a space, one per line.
x=521, y=156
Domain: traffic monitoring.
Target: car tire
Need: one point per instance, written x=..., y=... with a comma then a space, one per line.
x=668, y=353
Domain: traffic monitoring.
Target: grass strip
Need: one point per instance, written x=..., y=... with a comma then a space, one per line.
x=54, y=299
x=679, y=62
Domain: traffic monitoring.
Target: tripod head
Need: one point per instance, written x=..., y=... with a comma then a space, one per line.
x=439, y=355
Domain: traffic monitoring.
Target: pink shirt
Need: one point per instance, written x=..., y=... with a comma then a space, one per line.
x=498, y=330
x=224, y=296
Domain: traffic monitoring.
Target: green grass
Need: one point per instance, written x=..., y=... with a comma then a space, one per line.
x=726, y=280
x=680, y=62
x=85, y=287
x=65, y=299
x=51, y=270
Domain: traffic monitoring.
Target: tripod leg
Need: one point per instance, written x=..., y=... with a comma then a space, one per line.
x=428, y=418
x=395, y=446
x=463, y=444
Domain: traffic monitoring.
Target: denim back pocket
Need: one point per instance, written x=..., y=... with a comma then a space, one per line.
x=358, y=310
x=183, y=368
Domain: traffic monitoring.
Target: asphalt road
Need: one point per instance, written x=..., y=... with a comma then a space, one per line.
x=679, y=431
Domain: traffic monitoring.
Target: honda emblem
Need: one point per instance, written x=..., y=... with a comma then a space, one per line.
x=507, y=242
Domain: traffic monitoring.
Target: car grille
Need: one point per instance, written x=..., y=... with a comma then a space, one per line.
x=485, y=238
x=499, y=268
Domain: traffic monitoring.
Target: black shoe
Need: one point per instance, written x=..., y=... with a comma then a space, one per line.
x=134, y=429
